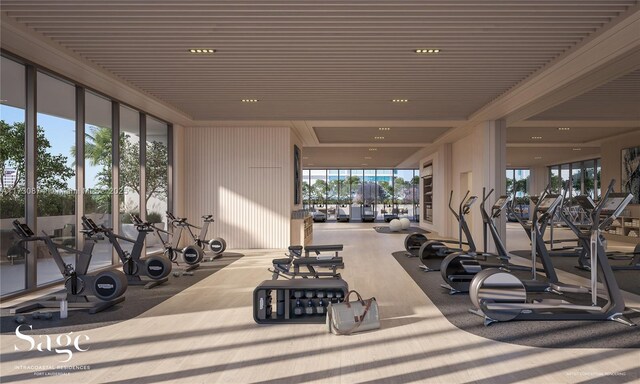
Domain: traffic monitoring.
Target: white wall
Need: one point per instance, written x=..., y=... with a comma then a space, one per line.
x=474, y=158
x=243, y=176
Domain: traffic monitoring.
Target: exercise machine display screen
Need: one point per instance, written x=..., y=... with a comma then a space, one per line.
x=549, y=202
x=615, y=203
x=501, y=202
x=23, y=229
x=586, y=202
x=470, y=201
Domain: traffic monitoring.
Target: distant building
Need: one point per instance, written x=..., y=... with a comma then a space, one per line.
x=9, y=177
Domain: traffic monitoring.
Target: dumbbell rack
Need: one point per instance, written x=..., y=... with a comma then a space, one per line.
x=296, y=300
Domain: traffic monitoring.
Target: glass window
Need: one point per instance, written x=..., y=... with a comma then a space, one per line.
x=598, y=184
x=369, y=189
x=384, y=190
x=157, y=178
x=129, y=172
x=305, y=189
x=344, y=193
x=416, y=197
x=576, y=179
x=318, y=183
x=55, y=171
x=98, y=138
x=403, y=192
x=589, y=178
x=565, y=175
x=509, y=181
x=12, y=182
x=332, y=193
x=356, y=188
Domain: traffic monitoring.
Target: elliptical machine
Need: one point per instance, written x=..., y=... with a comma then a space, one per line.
x=191, y=254
x=216, y=245
x=458, y=269
x=437, y=248
x=155, y=267
x=500, y=296
x=107, y=286
x=584, y=262
x=414, y=241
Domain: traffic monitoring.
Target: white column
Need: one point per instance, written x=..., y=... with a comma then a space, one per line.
x=494, y=161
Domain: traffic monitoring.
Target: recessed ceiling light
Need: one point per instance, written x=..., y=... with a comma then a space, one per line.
x=368, y=157
x=427, y=50
x=577, y=149
x=202, y=50
x=373, y=149
x=363, y=164
x=310, y=164
x=538, y=158
x=400, y=100
x=249, y=100
x=378, y=137
x=384, y=129
x=536, y=137
x=564, y=129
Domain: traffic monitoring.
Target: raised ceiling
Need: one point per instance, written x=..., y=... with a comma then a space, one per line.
x=381, y=135
x=616, y=100
x=575, y=135
x=337, y=60
x=330, y=70
x=355, y=157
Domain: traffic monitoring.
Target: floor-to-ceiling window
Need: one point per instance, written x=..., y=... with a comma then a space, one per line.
x=157, y=177
x=344, y=193
x=403, y=192
x=383, y=191
x=384, y=181
x=518, y=187
x=98, y=159
x=318, y=186
x=51, y=186
x=333, y=190
x=129, y=143
x=356, y=189
x=583, y=178
x=55, y=171
x=12, y=183
x=306, y=190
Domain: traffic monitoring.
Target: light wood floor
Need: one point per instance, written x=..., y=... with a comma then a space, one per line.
x=206, y=334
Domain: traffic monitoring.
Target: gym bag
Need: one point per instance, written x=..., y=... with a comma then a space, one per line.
x=353, y=316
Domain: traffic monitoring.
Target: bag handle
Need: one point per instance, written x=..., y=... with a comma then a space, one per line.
x=346, y=299
x=367, y=305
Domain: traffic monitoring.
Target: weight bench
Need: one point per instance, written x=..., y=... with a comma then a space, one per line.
x=318, y=249
x=291, y=266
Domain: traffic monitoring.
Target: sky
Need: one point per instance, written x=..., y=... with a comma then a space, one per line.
x=61, y=135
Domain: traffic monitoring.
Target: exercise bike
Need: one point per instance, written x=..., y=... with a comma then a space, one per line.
x=216, y=245
x=191, y=254
x=500, y=296
x=107, y=286
x=154, y=267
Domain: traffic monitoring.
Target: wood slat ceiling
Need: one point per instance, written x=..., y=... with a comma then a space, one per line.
x=328, y=60
x=617, y=100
